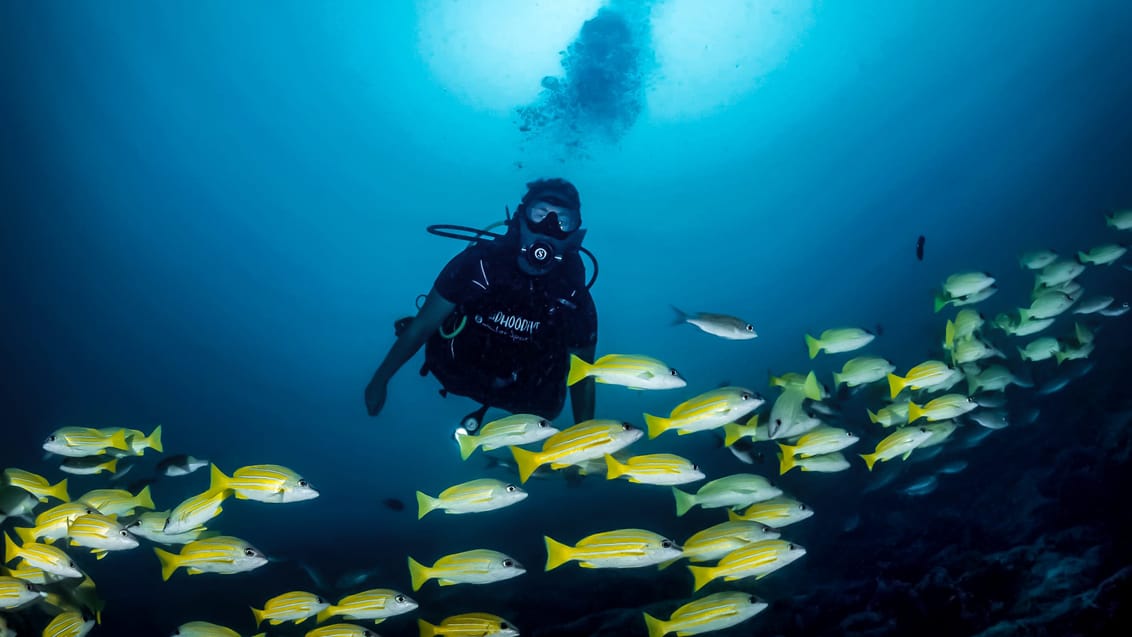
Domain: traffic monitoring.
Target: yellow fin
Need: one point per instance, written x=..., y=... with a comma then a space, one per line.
x=870, y=459
x=895, y=385
x=684, y=501
x=258, y=614
x=427, y=629
x=425, y=503
x=468, y=443
x=60, y=491
x=217, y=480
x=613, y=469
x=785, y=459
x=702, y=575
x=914, y=412
x=557, y=553
x=813, y=344
x=579, y=369
x=657, y=425
x=326, y=613
x=527, y=462
x=169, y=563
x=656, y=627
x=419, y=574
x=153, y=441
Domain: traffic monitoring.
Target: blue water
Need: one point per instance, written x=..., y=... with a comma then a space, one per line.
x=213, y=213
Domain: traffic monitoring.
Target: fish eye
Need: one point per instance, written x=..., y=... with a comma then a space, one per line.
x=745, y=395
x=303, y=483
x=801, y=507
x=666, y=544
x=400, y=599
x=503, y=626
x=511, y=488
x=508, y=563
x=749, y=327
x=124, y=533
x=695, y=467
x=543, y=423
x=792, y=547
x=626, y=426
x=71, y=563
x=249, y=552
x=672, y=371
x=51, y=438
x=319, y=600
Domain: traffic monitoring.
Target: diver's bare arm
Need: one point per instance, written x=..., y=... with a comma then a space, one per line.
x=582, y=393
x=427, y=320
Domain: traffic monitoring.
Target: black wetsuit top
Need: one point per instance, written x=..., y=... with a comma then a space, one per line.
x=513, y=351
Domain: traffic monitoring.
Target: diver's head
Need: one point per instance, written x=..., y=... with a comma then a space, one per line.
x=548, y=221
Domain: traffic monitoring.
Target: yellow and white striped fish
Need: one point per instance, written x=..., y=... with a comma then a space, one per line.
x=16, y=592
x=927, y=375
x=583, y=441
x=478, y=566
x=41, y=556
x=943, y=408
x=68, y=624
x=78, y=442
x=807, y=384
x=474, y=496
x=940, y=432
x=35, y=484
x=222, y=554
x=31, y=574
x=469, y=625
x=376, y=604
x=340, y=630
x=100, y=533
x=628, y=370
x=151, y=526
x=898, y=443
x=733, y=432
x=195, y=511
x=664, y=469
x=118, y=501
x=623, y=548
x=52, y=524
x=824, y=463
x=716, y=541
x=711, y=613
x=206, y=629
x=295, y=606
x=264, y=483
x=516, y=429
x=775, y=512
x=709, y=410
x=815, y=443
x=757, y=560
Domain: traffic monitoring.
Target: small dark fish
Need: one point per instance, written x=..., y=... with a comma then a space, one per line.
x=920, y=248
x=880, y=329
x=180, y=465
x=393, y=504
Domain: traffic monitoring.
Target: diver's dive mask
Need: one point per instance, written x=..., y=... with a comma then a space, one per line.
x=547, y=233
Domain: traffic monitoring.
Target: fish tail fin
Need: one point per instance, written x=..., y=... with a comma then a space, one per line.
x=419, y=573
x=11, y=550
x=812, y=388
x=940, y=301
x=786, y=459
x=118, y=440
x=1060, y=356
x=427, y=629
x=326, y=613
x=949, y=335
x=914, y=412
x=870, y=460
x=702, y=575
x=684, y=501
x=657, y=425
x=110, y=467
x=467, y=442
x=972, y=384
x=733, y=516
x=169, y=563
x=579, y=369
x=217, y=480
x=26, y=534
x=425, y=504
x=872, y=416
x=153, y=440
x=679, y=316
x=836, y=380
x=813, y=344
x=60, y=491
x=258, y=614
x=557, y=553
x=144, y=499
x=527, y=462
x=733, y=431
x=656, y=627
x=895, y=385
x=613, y=469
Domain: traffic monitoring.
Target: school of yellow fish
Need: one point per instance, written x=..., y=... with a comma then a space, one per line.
x=923, y=411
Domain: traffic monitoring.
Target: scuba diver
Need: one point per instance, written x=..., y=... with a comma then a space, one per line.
x=504, y=315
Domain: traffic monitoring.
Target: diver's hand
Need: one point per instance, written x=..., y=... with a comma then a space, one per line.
x=375, y=396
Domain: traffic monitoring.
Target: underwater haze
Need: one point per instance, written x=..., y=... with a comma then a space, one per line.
x=214, y=212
